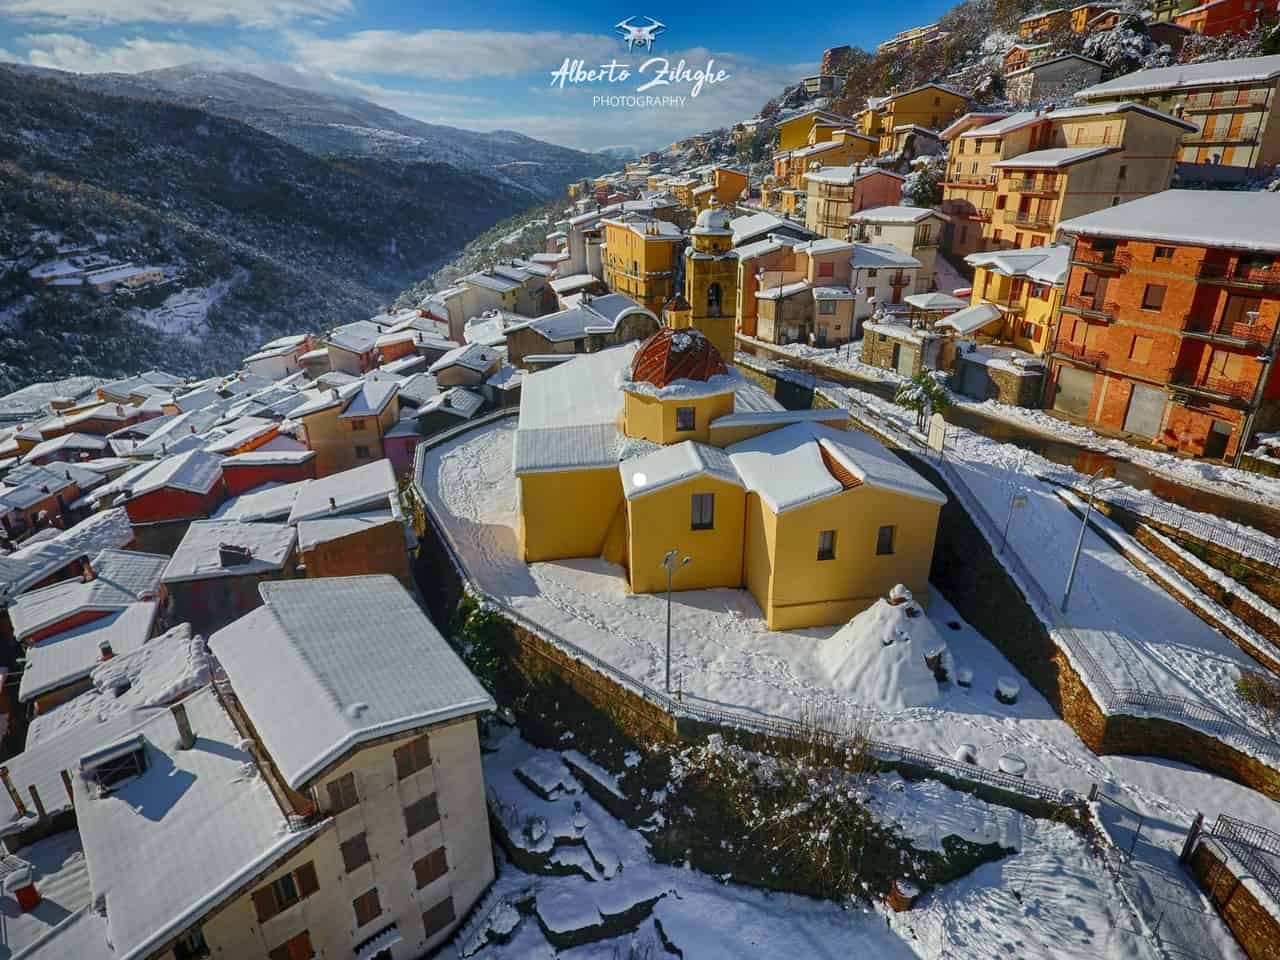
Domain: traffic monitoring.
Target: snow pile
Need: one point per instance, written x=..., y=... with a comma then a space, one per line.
x=878, y=657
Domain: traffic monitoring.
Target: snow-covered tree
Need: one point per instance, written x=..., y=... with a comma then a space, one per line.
x=1127, y=48
x=923, y=186
x=925, y=395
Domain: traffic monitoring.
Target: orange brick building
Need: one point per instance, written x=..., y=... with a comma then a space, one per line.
x=1225, y=16
x=1169, y=321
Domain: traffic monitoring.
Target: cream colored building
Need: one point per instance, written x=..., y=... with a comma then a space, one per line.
x=917, y=231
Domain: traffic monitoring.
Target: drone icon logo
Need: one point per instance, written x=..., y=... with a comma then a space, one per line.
x=640, y=36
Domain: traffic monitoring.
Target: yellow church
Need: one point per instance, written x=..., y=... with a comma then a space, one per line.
x=645, y=448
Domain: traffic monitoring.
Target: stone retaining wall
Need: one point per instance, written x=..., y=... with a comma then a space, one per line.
x=1254, y=926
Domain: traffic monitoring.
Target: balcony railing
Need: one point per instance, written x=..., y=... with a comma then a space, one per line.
x=1113, y=259
x=971, y=180
x=1080, y=353
x=1215, y=386
x=932, y=240
x=1226, y=99
x=1032, y=221
x=899, y=280
x=1249, y=334
x=1092, y=307
x=1242, y=273
x=1045, y=185
x=1205, y=138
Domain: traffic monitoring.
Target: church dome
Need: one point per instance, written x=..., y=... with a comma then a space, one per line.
x=676, y=355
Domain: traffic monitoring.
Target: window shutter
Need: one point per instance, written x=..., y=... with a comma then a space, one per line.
x=307, y=882
x=404, y=765
x=264, y=901
x=300, y=947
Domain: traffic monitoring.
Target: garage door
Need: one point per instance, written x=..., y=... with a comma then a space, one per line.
x=907, y=361
x=1075, y=388
x=1146, y=411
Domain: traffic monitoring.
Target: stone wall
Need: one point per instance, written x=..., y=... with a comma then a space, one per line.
x=1005, y=385
x=1255, y=928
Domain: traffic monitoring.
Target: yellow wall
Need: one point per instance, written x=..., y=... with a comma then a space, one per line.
x=334, y=440
x=638, y=265
x=654, y=419
x=661, y=521
x=725, y=436
x=567, y=513
x=806, y=591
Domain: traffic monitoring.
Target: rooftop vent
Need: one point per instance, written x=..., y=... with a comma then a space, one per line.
x=233, y=555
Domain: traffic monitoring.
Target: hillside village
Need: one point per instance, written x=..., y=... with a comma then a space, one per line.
x=856, y=529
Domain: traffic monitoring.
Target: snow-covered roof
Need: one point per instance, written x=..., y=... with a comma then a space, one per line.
x=30, y=564
x=650, y=229
x=311, y=533
x=880, y=256
x=477, y=357
x=359, y=488
x=304, y=653
x=262, y=458
x=458, y=401
x=845, y=176
x=66, y=441
x=1054, y=158
x=971, y=318
x=370, y=400
x=1186, y=75
x=271, y=501
x=242, y=435
x=593, y=315
x=575, y=281
x=491, y=281
x=1025, y=118
x=121, y=577
x=63, y=924
x=750, y=226
x=194, y=471
x=1229, y=219
x=200, y=556
x=804, y=477
x=1038, y=65
x=356, y=337
x=896, y=214
x=925, y=86
x=832, y=293
x=1042, y=264
x=209, y=802
x=71, y=655
x=759, y=248
x=783, y=291
x=934, y=301
x=672, y=464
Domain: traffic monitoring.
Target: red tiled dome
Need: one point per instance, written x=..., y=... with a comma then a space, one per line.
x=676, y=355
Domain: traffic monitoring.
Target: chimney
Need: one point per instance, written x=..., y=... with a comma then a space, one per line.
x=186, y=739
x=88, y=574
x=22, y=884
x=333, y=505
x=35, y=799
x=13, y=793
x=335, y=393
x=104, y=650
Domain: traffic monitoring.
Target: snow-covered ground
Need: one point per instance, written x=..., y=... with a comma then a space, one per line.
x=185, y=313
x=847, y=358
x=1048, y=899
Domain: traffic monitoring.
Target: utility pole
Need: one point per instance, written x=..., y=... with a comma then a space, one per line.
x=670, y=565
x=1084, y=526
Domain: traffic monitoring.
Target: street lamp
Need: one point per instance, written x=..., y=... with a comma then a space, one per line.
x=671, y=565
x=1084, y=525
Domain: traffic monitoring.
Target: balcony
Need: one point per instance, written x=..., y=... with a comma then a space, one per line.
x=1235, y=334
x=1045, y=186
x=1242, y=274
x=1244, y=135
x=1088, y=306
x=1032, y=221
x=987, y=180
x=899, y=279
x=1214, y=388
x=1079, y=353
x=1226, y=100
x=932, y=240
x=1104, y=259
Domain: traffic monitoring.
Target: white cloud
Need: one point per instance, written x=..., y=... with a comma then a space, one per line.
x=10, y=57
x=248, y=13
x=64, y=51
x=448, y=54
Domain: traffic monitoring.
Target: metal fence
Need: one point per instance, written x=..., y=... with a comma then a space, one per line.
x=1256, y=848
x=1111, y=698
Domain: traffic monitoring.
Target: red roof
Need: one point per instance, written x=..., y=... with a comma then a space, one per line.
x=676, y=355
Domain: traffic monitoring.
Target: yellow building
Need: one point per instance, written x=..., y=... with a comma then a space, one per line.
x=845, y=148
x=1044, y=21
x=1025, y=286
x=794, y=131
x=815, y=521
x=639, y=258
x=1012, y=180
x=931, y=105
x=711, y=279
x=345, y=426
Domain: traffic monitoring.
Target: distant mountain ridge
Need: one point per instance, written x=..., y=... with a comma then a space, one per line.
x=329, y=124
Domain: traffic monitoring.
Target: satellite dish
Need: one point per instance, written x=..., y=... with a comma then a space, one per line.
x=639, y=479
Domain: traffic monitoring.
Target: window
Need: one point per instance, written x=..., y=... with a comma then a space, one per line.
x=430, y=868
x=357, y=425
x=1123, y=171
x=1089, y=285
x=826, y=307
x=362, y=453
x=297, y=947
x=686, y=418
x=438, y=917
x=1115, y=201
x=355, y=852
x=367, y=907
x=827, y=545
x=191, y=945
x=421, y=814
x=1163, y=253
x=871, y=274
x=1153, y=296
x=827, y=269
x=284, y=892
x=704, y=511
x=1140, y=349
x=412, y=757
x=342, y=793
x=884, y=541
x=713, y=300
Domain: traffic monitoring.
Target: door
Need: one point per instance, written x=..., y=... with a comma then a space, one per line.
x=904, y=360
x=1146, y=411
x=1075, y=390
x=1215, y=444
x=974, y=381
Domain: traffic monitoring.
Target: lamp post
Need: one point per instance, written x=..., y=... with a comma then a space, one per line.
x=671, y=565
x=1084, y=525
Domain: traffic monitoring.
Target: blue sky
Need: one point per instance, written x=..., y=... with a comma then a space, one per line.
x=481, y=65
